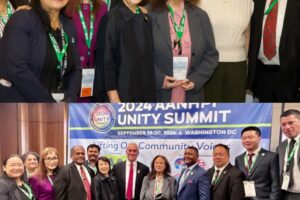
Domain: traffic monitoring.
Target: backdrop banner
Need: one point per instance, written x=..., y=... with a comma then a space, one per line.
x=166, y=128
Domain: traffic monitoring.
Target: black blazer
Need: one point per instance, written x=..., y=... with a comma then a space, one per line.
x=9, y=189
x=91, y=171
x=289, y=48
x=265, y=174
x=68, y=184
x=229, y=185
x=22, y=56
x=104, y=188
x=119, y=171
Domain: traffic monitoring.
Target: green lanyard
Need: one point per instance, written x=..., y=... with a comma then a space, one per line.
x=291, y=155
x=28, y=193
x=179, y=30
x=9, y=12
x=108, y=2
x=60, y=54
x=138, y=10
x=88, y=35
x=246, y=161
x=158, y=186
x=271, y=7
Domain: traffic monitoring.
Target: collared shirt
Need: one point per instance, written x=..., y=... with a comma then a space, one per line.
x=220, y=171
x=280, y=19
x=94, y=168
x=296, y=173
x=256, y=152
x=190, y=169
x=85, y=170
x=134, y=176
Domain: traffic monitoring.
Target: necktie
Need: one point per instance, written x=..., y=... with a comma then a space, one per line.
x=250, y=162
x=290, y=165
x=86, y=184
x=269, y=35
x=216, y=177
x=130, y=183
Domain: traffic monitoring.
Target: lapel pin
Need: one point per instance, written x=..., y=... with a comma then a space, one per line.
x=263, y=154
x=73, y=40
x=138, y=171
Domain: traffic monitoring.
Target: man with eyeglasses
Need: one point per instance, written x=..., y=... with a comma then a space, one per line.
x=289, y=155
x=130, y=174
x=74, y=180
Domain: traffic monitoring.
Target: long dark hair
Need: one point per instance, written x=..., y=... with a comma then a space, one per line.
x=167, y=169
x=162, y=4
x=44, y=16
x=73, y=5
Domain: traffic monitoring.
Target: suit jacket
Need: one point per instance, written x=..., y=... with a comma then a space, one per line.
x=229, y=185
x=119, y=171
x=196, y=186
x=168, y=189
x=204, y=56
x=289, y=48
x=9, y=189
x=68, y=184
x=104, y=188
x=281, y=152
x=23, y=54
x=265, y=174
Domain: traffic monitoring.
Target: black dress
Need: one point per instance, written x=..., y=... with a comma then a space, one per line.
x=124, y=56
x=104, y=188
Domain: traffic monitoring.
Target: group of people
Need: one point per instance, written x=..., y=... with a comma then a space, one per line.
x=148, y=51
x=257, y=174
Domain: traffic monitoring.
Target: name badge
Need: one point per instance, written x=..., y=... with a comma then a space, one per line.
x=58, y=97
x=87, y=82
x=180, y=65
x=249, y=188
x=285, y=181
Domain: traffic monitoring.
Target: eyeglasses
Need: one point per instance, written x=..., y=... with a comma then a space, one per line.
x=178, y=43
x=51, y=159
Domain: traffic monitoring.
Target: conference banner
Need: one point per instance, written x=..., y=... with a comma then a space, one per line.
x=166, y=128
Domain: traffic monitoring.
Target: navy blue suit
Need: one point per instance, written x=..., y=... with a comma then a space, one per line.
x=22, y=57
x=196, y=186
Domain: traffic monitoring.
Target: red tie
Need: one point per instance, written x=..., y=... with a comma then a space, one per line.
x=269, y=37
x=86, y=184
x=130, y=183
x=250, y=162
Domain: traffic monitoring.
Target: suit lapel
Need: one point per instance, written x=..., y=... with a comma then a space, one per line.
x=282, y=154
x=258, y=161
x=241, y=160
x=165, y=185
x=188, y=178
x=163, y=23
x=224, y=173
x=193, y=25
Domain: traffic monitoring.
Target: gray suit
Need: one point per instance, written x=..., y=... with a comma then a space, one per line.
x=281, y=152
x=168, y=190
x=204, y=56
x=265, y=174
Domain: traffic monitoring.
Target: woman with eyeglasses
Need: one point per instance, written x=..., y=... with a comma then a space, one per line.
x=42, y=181
x=12, y=186
x=185, y=55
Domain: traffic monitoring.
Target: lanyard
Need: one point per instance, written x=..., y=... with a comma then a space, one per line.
x=9, y=12
x=108, y=2
x=50, y=180
x=28, y=193
x=158, y=186
x=246, y=161
x=138, y=10
x=178, y=30
x=271, y=7
x=291, y=155
x=60, y=54
x=88, y=35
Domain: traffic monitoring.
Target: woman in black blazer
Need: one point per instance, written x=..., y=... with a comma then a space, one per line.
x=39, y=60
x=104, y=185
x=12, y=187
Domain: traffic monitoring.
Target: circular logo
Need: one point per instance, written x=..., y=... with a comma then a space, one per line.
x=102, y=117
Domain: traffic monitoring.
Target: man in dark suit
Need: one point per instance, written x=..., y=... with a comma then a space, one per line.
x=73, y=182
x=226, y=180
x=260, y=166
x=130, y=174
x=289, y=155
x=93, y=152
x=194, y=181
x=274, y=60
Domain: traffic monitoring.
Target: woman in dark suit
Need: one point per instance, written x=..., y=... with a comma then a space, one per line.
x=12, y=187
x=185, y=55
x=39, y=59
x=104, y=185
x=159, y=184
